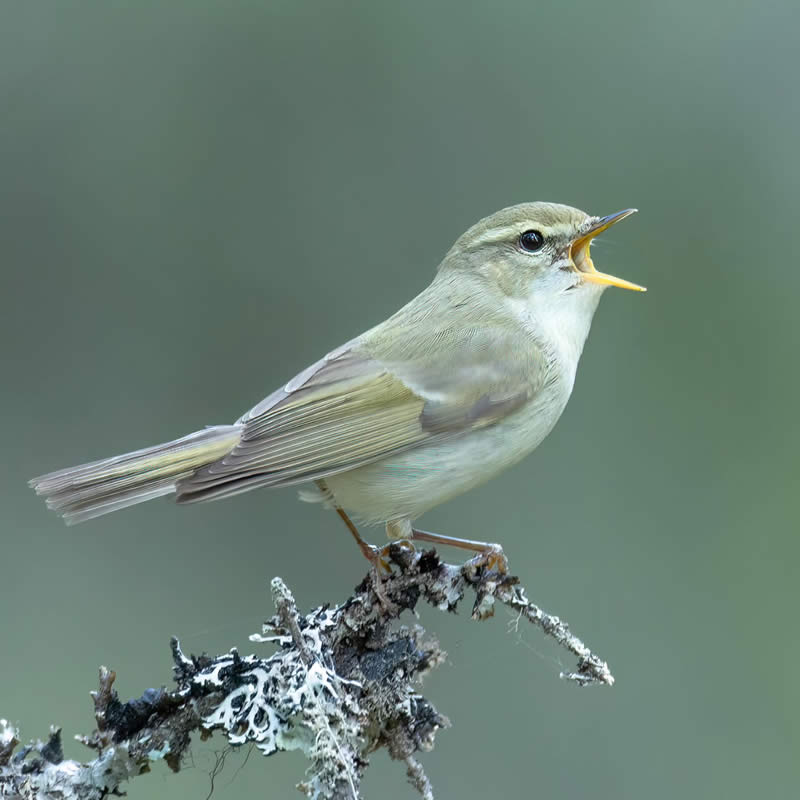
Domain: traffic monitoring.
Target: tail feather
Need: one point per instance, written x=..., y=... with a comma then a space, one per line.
x=91, y=490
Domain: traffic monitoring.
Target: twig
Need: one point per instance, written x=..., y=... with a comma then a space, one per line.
x=340, y=685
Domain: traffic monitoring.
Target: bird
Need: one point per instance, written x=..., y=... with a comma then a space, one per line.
x=458, y=385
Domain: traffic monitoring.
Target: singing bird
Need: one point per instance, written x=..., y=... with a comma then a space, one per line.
x=456, y=386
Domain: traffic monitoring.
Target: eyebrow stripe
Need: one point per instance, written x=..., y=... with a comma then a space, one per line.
x=507, y=231
x=495, y=235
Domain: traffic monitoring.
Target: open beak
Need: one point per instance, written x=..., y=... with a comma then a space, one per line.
x=579, y=252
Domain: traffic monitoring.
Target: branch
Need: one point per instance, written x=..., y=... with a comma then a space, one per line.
x=340, y=686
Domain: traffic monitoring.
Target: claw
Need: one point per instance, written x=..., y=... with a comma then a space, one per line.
x=378, y=559
x=492, y=558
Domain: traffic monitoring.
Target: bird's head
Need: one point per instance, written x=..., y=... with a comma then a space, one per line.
x=538, y=249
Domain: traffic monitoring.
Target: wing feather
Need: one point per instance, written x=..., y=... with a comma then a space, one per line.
x=383, y=393
x=348, y=410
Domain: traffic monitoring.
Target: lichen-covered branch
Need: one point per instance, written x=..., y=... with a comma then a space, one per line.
x=341, y=684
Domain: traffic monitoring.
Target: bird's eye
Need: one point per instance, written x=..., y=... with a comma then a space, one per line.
x=531, y=241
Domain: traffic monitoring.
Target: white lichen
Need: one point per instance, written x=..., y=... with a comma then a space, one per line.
x=8, y=733
x=282, y=704
x=157, y=753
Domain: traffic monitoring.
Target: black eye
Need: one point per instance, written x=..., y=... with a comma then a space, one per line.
x=531, y=241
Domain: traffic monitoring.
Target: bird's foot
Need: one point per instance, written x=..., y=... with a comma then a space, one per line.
x=377, y=584
x=381, y=559
x=491, y=558
x=378, y=558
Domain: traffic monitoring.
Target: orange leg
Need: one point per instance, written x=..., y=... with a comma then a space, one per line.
x=375, y=555
x=489, y=555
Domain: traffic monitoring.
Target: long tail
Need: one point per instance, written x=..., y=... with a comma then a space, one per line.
x=91, y=490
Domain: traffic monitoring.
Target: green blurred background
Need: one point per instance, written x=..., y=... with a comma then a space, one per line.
x=199, y=199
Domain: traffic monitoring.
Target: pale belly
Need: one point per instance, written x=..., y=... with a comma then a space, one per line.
x=408, y=484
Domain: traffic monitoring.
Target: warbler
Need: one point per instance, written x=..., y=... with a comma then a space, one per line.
x=455, y=387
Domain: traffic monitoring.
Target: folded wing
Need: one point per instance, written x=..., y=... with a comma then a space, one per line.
x=367, y=400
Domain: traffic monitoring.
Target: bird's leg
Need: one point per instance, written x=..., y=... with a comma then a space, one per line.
x=375, y=557
x=488, y=555
x=369, y=551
